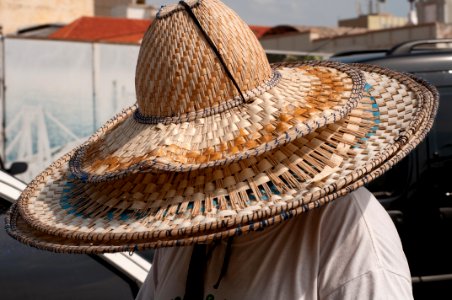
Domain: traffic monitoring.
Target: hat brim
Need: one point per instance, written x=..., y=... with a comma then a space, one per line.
x=307, y=96
x=67, y=213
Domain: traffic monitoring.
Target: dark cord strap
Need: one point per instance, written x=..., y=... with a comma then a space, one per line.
x=224, y=267
x=194, y=287
x=212, y=45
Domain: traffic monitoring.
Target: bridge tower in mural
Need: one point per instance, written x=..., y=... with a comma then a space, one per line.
x=30, y=133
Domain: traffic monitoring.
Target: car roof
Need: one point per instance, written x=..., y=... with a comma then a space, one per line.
x=414, y=57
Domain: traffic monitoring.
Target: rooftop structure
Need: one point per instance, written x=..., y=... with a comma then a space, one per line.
x=116, y=30
x=19, y=14
x=434, y=11
x=106, y=29
x=374, y=21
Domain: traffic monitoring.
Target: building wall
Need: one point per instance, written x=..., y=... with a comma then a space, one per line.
x=386, y=21
x=381, y=39
x=374, y=22
x=360, y=21
x=449, y=12
x=445, y=30
x=141, y=11
x=296, y=42
x=378, y=39
x=115, y=8
x=17, y=14
x=434, y=11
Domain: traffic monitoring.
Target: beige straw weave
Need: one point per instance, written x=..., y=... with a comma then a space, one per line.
x=164, y=209
x=194, y=162
x=178, y=71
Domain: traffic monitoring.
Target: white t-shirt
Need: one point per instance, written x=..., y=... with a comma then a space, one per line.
x=348, y=249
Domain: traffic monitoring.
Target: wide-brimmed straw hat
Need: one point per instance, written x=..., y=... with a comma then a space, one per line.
x=221, y=142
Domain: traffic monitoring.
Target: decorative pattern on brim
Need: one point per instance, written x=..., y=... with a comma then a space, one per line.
x=62, y=214
x=308, y=96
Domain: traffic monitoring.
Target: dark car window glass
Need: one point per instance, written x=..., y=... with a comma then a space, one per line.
x=443, y=127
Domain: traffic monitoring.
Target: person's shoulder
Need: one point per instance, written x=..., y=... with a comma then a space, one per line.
x=356, y=205
x=367, y=207
x=357, y=229
x=360, y=212
x=363, y=215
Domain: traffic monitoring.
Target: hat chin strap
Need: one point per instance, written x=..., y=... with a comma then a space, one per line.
x=194, y=286
x=212, y=45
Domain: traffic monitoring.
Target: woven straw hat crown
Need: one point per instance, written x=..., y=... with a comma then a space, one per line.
x=179, y=73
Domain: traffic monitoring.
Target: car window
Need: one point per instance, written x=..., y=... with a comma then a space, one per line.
x=442, y=131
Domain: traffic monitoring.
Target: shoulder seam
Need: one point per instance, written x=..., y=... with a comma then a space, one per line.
x=371, y=233
x=365, y=274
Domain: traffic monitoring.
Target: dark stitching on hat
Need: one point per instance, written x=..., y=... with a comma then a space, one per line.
x=209, y=111
x=176, y=9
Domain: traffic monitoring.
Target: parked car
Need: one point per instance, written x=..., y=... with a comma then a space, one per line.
x=418, y=191
x=28, y=273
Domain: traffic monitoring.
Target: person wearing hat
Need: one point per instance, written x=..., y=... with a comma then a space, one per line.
x=225, y=166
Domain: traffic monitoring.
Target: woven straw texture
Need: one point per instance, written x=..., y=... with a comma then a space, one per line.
x=307, y=97
x=189, y=114
x=163, y=208
x=179, y=73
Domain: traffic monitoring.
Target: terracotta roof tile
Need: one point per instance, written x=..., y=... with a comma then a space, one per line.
x=259, y=31
x=119, y=30
x=94, y=29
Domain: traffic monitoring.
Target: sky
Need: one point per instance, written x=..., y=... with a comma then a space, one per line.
x=302, y=12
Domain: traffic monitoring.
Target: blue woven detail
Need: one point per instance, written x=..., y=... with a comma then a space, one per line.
x=238, y=231
x=250, y=194
x=65, y=205
x=215, y=203
x=273, y=188
x=71, y=177
x=84, y=177
x=251, y=226
x=286, y=215
x=264, y=193
x=376, y=114
x=140, y=215
x=367, y=87
x=110, y=215
x=124, y=216
x=72, y=211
